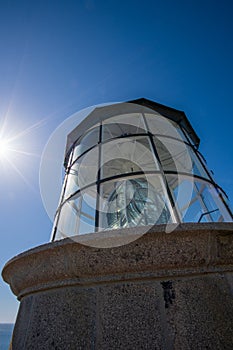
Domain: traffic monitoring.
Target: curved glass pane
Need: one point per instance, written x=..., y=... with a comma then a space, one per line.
x=122, y=125
x=196, y=201
x=224, y=198
x=88, y=211
x=90, y=139
x=72, y=181
x=186, y=198
x=77, y=215
x=178, y=157
x=83, y=172
x=127, y=155
x=68, y=222
x=215, y=207
x=136, y=201
x=160, y=125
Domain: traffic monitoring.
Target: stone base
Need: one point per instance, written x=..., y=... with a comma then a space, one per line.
x=162, y=291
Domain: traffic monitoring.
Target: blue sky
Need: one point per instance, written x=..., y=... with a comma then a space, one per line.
x=58, y=57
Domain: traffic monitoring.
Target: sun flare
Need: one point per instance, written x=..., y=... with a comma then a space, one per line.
x=16, y=155
x=4, y=148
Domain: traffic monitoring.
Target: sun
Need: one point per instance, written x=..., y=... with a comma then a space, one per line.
x=5, y=149
x=16, y=144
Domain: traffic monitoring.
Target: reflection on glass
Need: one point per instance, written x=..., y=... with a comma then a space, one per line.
x=127, y=155
x=159, y=125
x=68, y=224
x=123, y=125
x=72, y=180
x=186, y=198
x=196, y=201
x=224, y=198
x=213, y=202
x=77, y=215
x=87, y=213
x=83, y=172
x=178, y=157
x=90, y=139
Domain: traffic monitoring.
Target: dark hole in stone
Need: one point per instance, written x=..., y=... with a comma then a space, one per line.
x=168, y=293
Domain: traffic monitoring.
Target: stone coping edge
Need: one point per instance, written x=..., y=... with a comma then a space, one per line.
x=189, y=248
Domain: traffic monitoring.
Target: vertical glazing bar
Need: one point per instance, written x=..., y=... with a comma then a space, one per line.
x=98, y=179
x=175, y=211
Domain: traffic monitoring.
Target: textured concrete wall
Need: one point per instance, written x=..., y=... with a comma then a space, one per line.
x=162, y=291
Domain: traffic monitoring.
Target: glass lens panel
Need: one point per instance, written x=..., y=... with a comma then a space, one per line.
x=163, y=126
x=77, y=215
x=83, y=172
x=127, y=155
x=122, y=125
x=68, y=222
x=133, y=202
x=185, y=197
x=224, y=197
x=72, y=181
x=88, y=209
x=178, y=157
x=197, y=201
x=215, y=208
x=90, y=139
